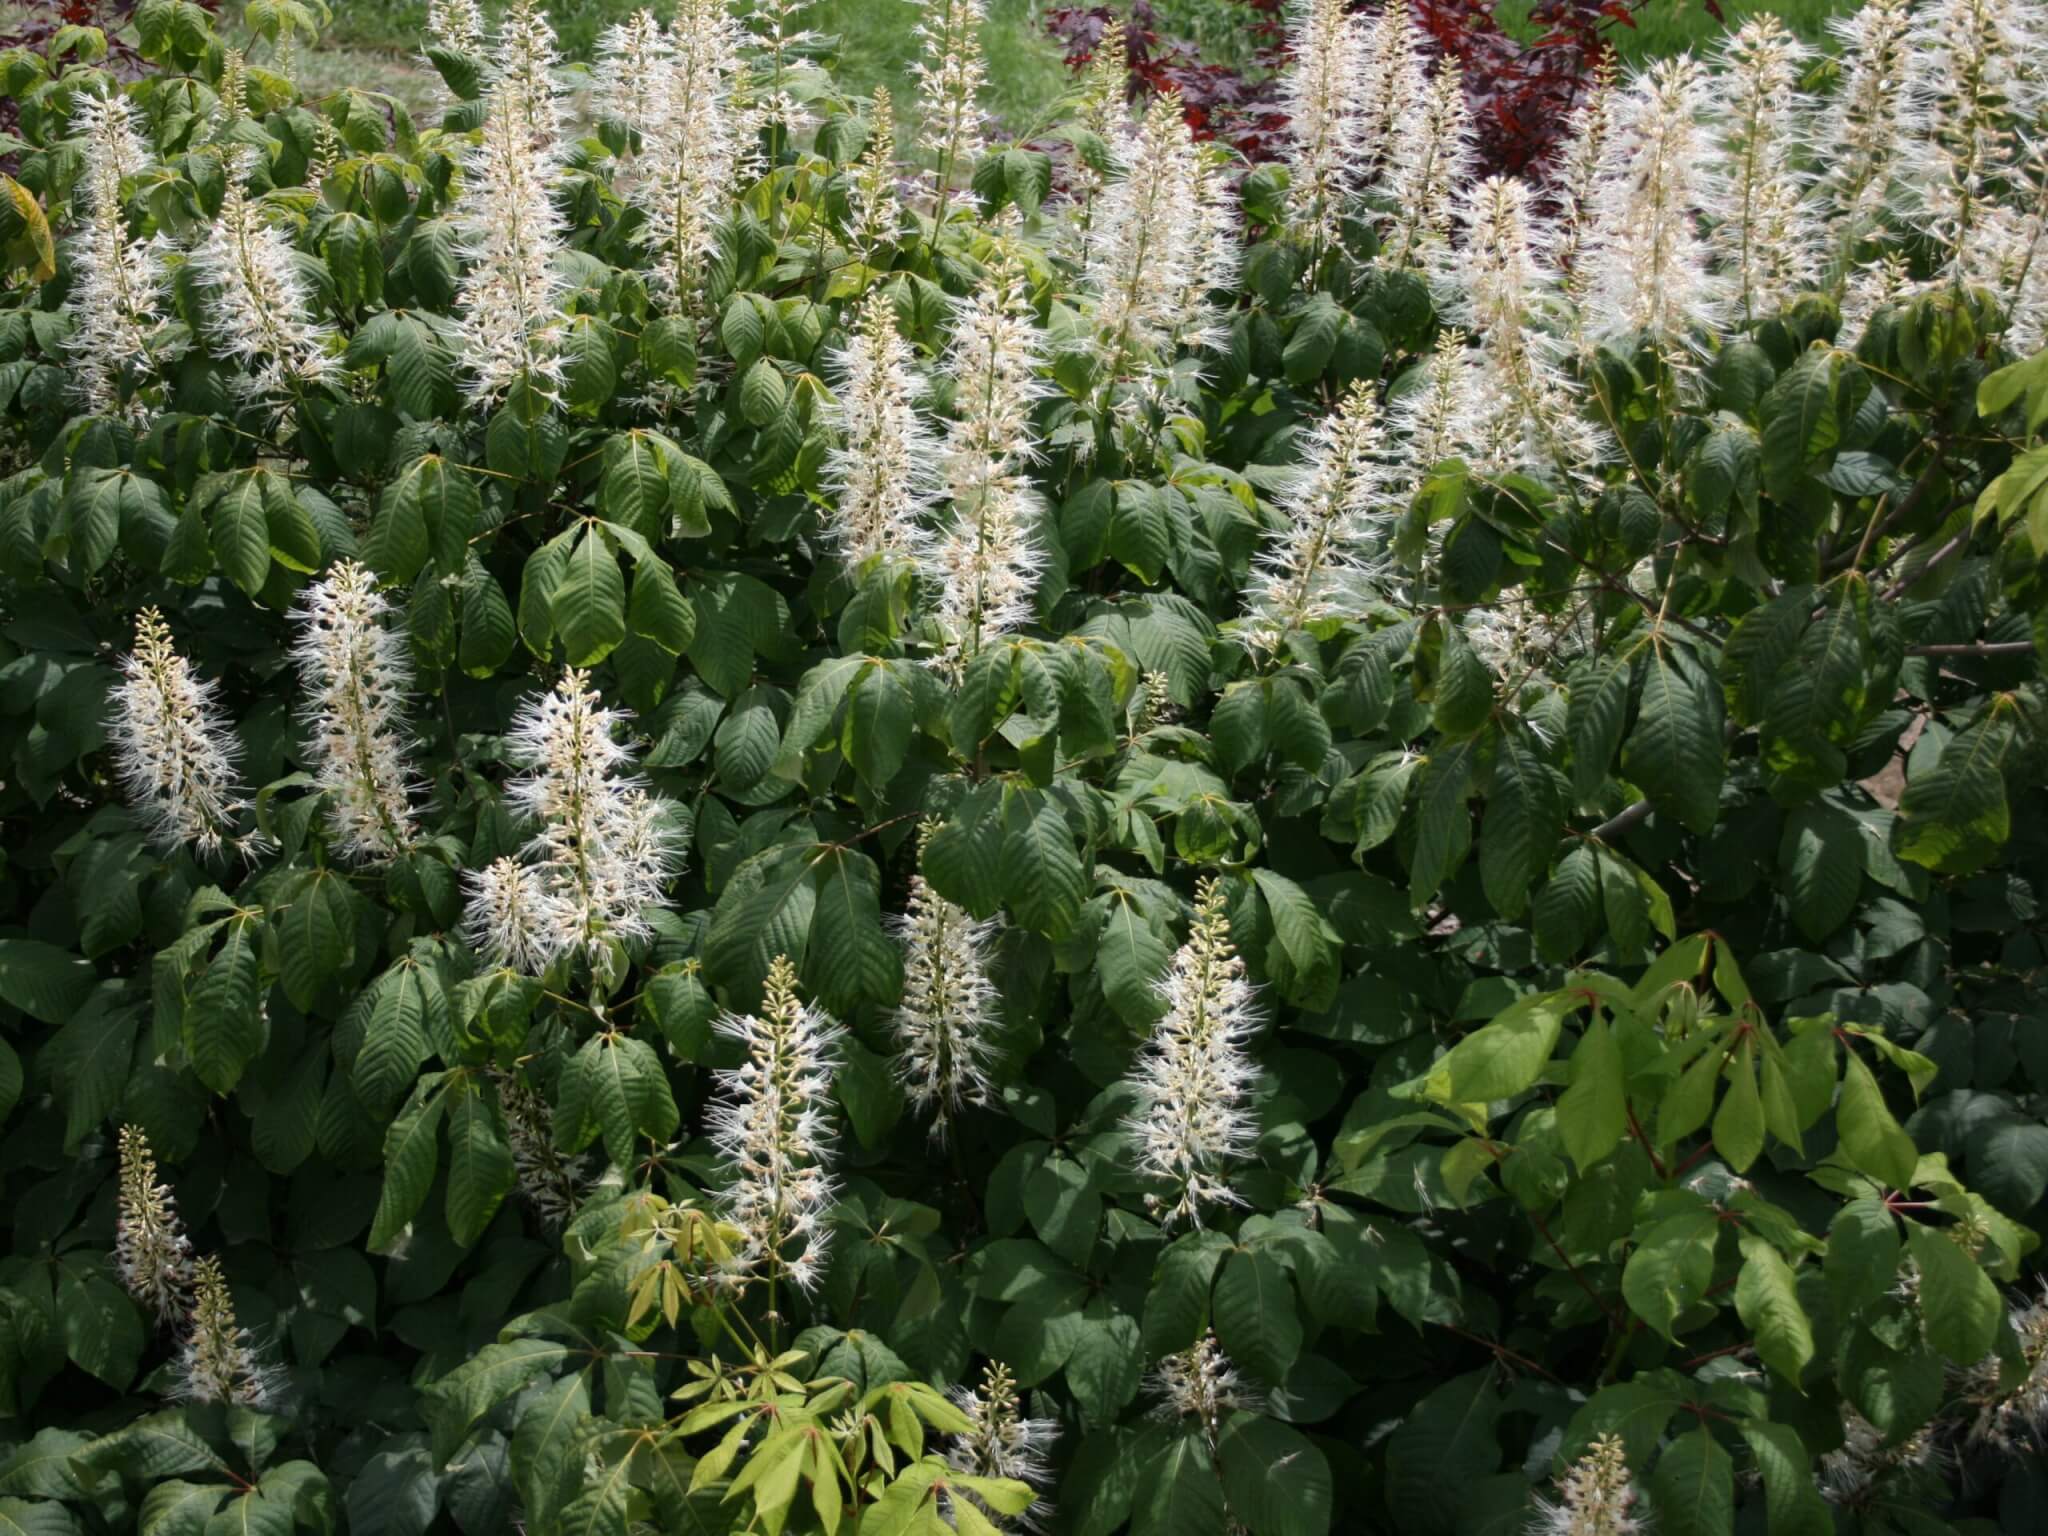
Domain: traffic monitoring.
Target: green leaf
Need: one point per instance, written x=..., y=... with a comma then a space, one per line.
x=1179, y=1494
x=1692, y=1487
x=1595, y=717
x=480, y=1168
x=1671, y=1267
x=240, y=532
x=1506, y=1056
x=223, y=1025
x=411, y=1153
x=1875, y=1142
x=1821, y=860
x=1799, y=421
x=1524, y=818
x=103, y=1334
x=1767, y=1301
x=588, y=606
x=850, y=959
x=396, y=1035
x=1276, y=1480
x=1954, y=818
x=43, y=981
x=1304, y=957
x=1739, y=1123
x=1256, y=1319
x=1677, y=752
x=1592, y=1116
x=1791, y=1499
x=1044, y=879
x=657, y=609
x=1131, y=955
x=1443, y=827
x=876, y=735
x=1961, y=1306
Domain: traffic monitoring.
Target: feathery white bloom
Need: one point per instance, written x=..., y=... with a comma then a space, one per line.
x=1001, y=1441
x=2010, y=258
x=175, y=752
x=1193, y=1078
x=508, y=302
x=1868, y=289
x=455, y=25
x=1851, y=1473
x=2013, y=1418
x=1150, y=238
x=551, y=1183
x=1765, y=230
x=986, y=563
x=117, y=281
x=773, y=26
x=1101, y=108
x=218, y=1362
x=949, y=76
x=1323, y=94
x=1427, y=166
x=1392, y=84
x=231, y=101
x=1647, y=276
x=508, y=918
x=1975, y=84
x=355, y=675
x=523, y=63
x=1867, y=119
x=771, y=1123
x=602, y=856
x=258, y=308
x=1596, y=1497
x=1587, y=133
x=1320, y=565
x=882, y=474
x=873, y=208
x=1438, y=417
x=1202, y=1384
x=152, y=1255
x=693, y=150
x=1506, y=289
x=628, y=85
x=950, y=1006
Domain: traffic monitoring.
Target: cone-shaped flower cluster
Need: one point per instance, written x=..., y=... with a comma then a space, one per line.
x=508, y=302
x=881, y=474
x=175, y=751
x=1868, y=119
x=456, y=25
x=2012, y=1416
x=985, y=565
x=1323, y=94
x=1596, y=1497
x=602, y=856
x=1507, y=291
x=1428, y=162
x=258, y=310
x=1322, y=563
x=1201, y=1384
x=1154, y=241
x=771, y=1124
x=678, y=93
x=1766, y=231
x=1647, y=272
x=551, y=1183
x=1002, y=1441
x=949, y=76
x=151, y=1252
x=356, y=675
x=944, y=1028
x=873, y=208
x=218, y=1362
x=1193, y=1078
x=117, y=280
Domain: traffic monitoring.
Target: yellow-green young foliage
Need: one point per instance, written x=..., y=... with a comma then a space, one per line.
x=718, y=822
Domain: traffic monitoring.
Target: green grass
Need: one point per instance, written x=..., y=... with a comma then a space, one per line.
x=876, y=46
x=1665, y=27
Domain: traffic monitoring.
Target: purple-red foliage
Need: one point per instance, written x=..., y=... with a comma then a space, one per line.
x=1520, y=93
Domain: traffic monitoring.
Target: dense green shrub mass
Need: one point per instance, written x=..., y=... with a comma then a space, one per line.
x=705, y=834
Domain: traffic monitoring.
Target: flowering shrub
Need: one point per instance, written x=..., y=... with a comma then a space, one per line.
x=706, y=833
